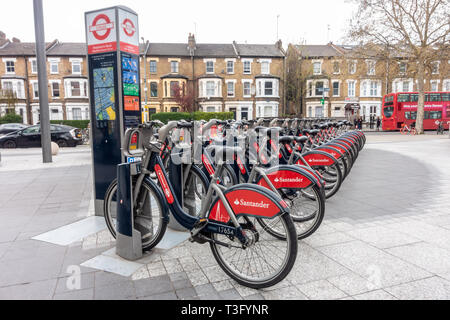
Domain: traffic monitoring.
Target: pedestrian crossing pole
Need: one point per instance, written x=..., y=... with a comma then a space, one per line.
x=42, y=81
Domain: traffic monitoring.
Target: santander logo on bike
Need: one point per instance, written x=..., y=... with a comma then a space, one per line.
x=297, y=179
x=244, y=203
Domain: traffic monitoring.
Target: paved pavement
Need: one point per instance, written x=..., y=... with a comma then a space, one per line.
x=386, y=234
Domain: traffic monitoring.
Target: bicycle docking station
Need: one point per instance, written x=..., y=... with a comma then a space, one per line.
x=128, y=241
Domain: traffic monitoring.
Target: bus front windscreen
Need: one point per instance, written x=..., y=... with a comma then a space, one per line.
x=388, y=112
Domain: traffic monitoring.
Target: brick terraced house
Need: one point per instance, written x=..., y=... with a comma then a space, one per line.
x=246, y=79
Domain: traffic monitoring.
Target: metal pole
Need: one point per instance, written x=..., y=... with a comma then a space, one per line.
x=42, y=78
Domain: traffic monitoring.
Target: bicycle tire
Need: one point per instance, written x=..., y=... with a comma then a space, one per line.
x=288, y=263
x=162, y=227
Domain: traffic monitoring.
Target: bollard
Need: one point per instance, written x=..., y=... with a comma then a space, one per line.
x=129, y=241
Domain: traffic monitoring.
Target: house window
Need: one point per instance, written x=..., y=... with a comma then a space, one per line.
x=371, y=68
x=405, y=86
x=265, y=67
x=364, y=89
x=230, y=89
x=55, y=90
x=447, y=85
x=54, y=115
x=435, y=67
x=76, y=67
x=319, y=88
x=434, y=86
x=351, y=88
x=7, y=85
x=173, y=88
x=268, y=111
x=336, y=68
x=230, y=67
x=35, y=86
x=174, y=109
x=402, y=67
x=153, y=68
x=336, y=89
x=268, y=88
x=373, y=89
x=174, y=66
x=247, y=67
x=209, y=66
x=54, y=67
x=247, y=89
x=317, y=67
x=210, y=109
x=352, y=67
x=34, y=66
x=77, y=114
x=210, y=88
x=75, y=88
x=10, y=67
x=153, y=89
x=310, y=89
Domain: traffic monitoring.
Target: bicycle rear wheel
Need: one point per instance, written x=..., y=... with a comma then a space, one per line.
x=265, y=262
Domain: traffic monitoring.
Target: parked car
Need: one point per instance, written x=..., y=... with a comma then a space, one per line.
x=30, y=137
x=11, y=127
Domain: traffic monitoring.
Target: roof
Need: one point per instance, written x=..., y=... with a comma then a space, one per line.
x=68, y=49
x=318, y=51
x=203, y=50
x=55, y=49
x=259, y=50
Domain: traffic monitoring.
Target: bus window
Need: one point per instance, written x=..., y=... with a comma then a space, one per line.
x=427, y=97
x=403, y=98
x=435, y=115
x=448, y=112
x=388, y=112
x=389, y=99
x=446, y=96
x=408, y=115
x=414, y=98
x=426, y=115
x=413, y=115
x=434, y=97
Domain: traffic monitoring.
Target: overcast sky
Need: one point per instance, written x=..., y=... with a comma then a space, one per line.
x=251, y=21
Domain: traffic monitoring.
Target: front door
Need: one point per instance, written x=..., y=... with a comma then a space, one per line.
x=244, y=114
x=234, y=113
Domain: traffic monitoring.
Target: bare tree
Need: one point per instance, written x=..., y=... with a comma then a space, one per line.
x=297, y=74
x=416, y=30
x=184, y=97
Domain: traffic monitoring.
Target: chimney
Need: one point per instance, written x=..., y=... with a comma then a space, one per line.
x=15, y=40
x=191, y=42
x=279, y=44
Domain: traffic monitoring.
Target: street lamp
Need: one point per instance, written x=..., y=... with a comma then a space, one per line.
x=145, y=77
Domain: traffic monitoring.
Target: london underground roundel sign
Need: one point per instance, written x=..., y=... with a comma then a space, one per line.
x=101, y=27
x=128, y=27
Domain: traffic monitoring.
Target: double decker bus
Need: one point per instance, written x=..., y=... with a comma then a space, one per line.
x=401, y=108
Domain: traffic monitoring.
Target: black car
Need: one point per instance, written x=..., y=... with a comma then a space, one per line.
x=11, y=127
x=30, y=137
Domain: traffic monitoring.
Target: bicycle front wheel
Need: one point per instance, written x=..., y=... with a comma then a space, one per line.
x=148, y=214
x=266, y=261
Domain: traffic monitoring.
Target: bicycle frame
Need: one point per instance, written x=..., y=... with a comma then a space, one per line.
x=202, y=223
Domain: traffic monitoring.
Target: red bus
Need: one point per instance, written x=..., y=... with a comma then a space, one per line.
x=400, y=108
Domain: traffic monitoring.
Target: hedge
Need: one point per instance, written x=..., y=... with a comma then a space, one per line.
x=11, y=118
x=177, y=116
x=80, y=124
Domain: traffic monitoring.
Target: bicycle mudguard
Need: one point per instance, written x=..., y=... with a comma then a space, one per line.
x=285, y=176
x=248, y=200
x=339, y=146
x=335, y=152
x=319, y=158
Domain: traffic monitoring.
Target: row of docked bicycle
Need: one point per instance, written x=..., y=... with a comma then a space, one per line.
x=250, y=189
